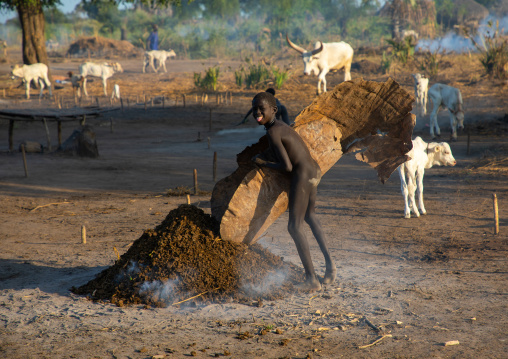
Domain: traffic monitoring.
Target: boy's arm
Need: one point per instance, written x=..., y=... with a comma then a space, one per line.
x=284, y=163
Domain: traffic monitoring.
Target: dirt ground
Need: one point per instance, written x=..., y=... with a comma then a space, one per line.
x=416, y=283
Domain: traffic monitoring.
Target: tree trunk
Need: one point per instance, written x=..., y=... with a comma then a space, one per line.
x=31, y=17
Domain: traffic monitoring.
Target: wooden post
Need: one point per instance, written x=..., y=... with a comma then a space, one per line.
x=97, y=100
x=188, y=199
x=111, y=101
x=83, y=234
x=215, y=166
x=496, y=214
x=210, y=124
x=121, y=103
x=145, y=101
x=24, y=159
x=195, y=181
x=47, y=133
x=58, y=102
x=59, y=129
x=11, y=133
x=468, y=140
x=183, y=97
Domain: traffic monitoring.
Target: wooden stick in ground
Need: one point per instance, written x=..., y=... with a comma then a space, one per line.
x=59, y=130
x=188, y=199
x=47, y=133
x=370, y=324
x=83, y=234
x=468, y=140
x=496, y=214
x=195, y=181
x=121, y=103
x=24, y=159
x=183, y=97
x=11, y=133
x=215, y=166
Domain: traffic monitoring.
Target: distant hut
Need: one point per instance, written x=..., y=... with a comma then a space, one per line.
x=420, y=17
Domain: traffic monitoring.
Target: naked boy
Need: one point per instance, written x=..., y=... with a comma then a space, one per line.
x=293, y=156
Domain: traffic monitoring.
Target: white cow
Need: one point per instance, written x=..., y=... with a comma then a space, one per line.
x=160, y=56
x=104, y=71
x=37, y=72
x=423, y=155
x=447, y=97
x=326, y=57
x=421, y=90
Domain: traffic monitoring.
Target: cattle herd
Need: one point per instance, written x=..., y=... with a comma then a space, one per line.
x=322, y=59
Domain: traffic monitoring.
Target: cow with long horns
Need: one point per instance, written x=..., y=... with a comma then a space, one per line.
x=324, y=58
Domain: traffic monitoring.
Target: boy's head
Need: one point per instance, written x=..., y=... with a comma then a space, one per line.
x=264, y=108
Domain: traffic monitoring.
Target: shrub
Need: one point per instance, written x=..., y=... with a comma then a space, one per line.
x=239, y=74
x=257, y=75
x=429, y=63
x=493, y=51
x=210, y=81
x=279, y=76
x=403, y=50
x=386, y=62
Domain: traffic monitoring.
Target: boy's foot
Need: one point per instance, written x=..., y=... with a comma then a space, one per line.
x=330, y=276
x=310, y=285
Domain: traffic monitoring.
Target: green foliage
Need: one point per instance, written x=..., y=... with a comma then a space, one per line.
x=403, y=50
x=210, y=81
x=386, y=62
x=257, y=75
x=429, y=63
x=239, y=75
x=493, y=51
x=279, y=76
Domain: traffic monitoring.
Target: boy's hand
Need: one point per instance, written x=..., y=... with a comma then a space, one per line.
x=258, y=160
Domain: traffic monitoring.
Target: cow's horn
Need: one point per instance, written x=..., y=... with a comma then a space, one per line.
x=294, y=46
x=317, y=51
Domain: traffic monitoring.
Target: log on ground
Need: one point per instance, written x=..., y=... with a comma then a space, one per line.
x=371, y=118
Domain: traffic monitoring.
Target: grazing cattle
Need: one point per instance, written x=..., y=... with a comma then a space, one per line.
x=423, y=155
x=324, y=58
x=421, y=90
x=104, y=71
x=158, y=55
x=36, y=72
x=447, y=97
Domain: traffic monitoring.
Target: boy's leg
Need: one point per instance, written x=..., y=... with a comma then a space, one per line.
x=317, y=230
x=298, y=200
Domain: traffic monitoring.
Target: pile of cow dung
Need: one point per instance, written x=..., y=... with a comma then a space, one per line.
x=184, y=257
x=97, y=46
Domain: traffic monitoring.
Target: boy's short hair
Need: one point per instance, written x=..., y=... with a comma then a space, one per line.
x=266, y=96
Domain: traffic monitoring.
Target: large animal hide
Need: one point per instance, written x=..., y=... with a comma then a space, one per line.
x=371, y=118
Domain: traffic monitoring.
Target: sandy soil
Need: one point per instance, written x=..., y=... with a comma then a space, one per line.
x=416, y=283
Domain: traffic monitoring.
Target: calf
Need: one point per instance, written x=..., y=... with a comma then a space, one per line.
x=423, y=155
x=37, y=72
x=160, y=55
x=447, y=97
x=104, y=71
x=421, y=90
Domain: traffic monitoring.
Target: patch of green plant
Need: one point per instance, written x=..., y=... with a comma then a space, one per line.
x=257, y=75
x=403, y=50
x=279, y=76
x=429, y=63
x=239, y=75
x=386, y=62
x=210, y=81
x=493, y=51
